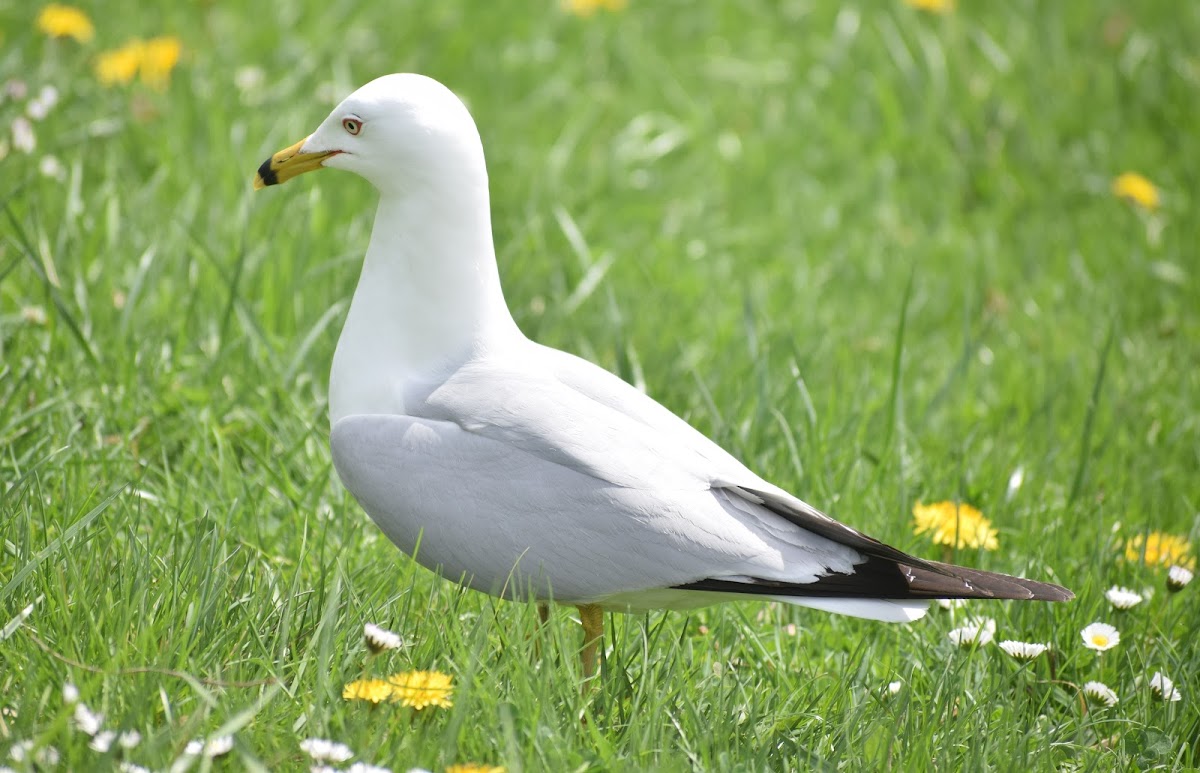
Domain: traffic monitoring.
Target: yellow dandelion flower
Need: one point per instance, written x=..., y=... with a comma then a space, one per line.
x=373, y=690
x=64, y=21
x=420, y=689
x=119, y=66
x=1136, y=188
x=1159, y=549
x=931, y=6
x=585, y=8
x=152, y=59
x=956, y=524
x=471, y=767
x=159, y=57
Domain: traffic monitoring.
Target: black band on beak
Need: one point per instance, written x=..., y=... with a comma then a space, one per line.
x=267, y=174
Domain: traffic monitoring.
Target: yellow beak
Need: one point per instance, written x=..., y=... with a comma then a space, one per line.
x=288, y=163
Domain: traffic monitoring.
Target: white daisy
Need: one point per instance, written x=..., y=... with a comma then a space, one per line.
x=1099, y=692
x=380, y=639
x=249, y=78
x=977, y=631
x=86, y=720
x=325, y=751
x=362, y=767
x=23, y=138
x=129, y=739
x=51, y=167
x=894, y=687
x=37, y=110
x=1100, y=637
x=1122, y=598
x=102, y=741
x=48, y=95
x=1178, y=577
x=41, y=105
x=70, y=694
x=213, y=747
x=126, y=766
x=1163, y=688
x=19, y=751
x=34, y=315
x=218, y=746
x=1023, y=650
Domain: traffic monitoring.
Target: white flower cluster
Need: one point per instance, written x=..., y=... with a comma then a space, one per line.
x=92, y=723
x=25, y=751
x=87, y=720
x=322, y=750
x=21, y=135
x=217, y=746
x=363, y=767
x=325, y=751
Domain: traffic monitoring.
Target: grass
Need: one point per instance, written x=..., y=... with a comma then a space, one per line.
x=871, y=251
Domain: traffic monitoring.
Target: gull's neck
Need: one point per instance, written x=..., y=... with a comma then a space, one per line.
x=428, y=299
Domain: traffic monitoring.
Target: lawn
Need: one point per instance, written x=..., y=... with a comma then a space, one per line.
x=873, y=251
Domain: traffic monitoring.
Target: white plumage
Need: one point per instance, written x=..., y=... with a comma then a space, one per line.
x=519, y=469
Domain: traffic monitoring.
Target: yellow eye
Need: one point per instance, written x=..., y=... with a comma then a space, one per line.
x=352, y=125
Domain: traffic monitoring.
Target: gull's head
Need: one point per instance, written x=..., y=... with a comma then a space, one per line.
x=397, y=131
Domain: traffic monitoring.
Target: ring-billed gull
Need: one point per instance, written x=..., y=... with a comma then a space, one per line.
x=521, y=470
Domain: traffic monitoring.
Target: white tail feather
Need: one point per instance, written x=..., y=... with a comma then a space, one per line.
x=884, y=610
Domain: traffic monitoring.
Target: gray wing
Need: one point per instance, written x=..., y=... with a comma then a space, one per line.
x=501, y=467
x=549, y=476
x=607, y=389
x=885, y=572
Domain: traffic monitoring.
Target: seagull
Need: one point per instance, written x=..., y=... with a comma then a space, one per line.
x=524, y=471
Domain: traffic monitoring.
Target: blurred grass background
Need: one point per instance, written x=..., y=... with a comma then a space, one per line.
x=873, y=251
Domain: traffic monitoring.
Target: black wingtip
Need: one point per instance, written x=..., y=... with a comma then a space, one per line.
x=887, y=573
x=1001, y=586
x=878, y=578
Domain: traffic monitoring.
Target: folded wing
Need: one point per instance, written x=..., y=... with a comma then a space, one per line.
x=556, y=477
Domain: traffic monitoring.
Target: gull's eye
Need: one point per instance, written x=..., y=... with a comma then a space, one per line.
x=352, y=125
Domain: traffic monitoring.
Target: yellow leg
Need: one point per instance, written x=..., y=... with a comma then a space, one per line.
x=592, y=618
x=544, y=617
